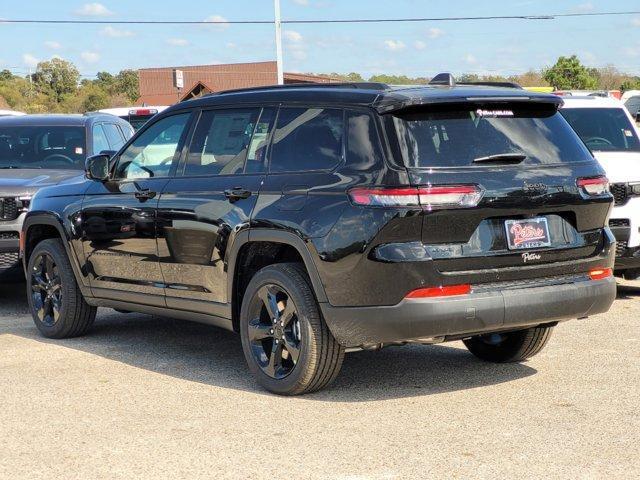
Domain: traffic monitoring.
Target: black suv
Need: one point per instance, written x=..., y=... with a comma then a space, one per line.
x=319, y=219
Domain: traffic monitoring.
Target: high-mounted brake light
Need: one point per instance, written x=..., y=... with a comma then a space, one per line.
x=600, y=273
x=438, y=196
x=594, y=186
x=443, y=291
x=143, y=111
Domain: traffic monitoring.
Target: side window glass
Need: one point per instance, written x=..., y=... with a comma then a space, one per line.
x=153, y=152
x=100, y=142
x=221, y=141
x=363, y=147
x=307, y=139
x=113, y=136
x=257, y=154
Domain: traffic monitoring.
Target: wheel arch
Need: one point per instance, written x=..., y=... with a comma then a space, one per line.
x=287, y=244
x=40, y=226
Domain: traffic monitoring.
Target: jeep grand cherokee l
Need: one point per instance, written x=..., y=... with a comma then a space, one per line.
x=41, y=150
x=315, y=219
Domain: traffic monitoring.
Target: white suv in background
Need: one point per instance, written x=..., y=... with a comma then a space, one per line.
x=607, y=128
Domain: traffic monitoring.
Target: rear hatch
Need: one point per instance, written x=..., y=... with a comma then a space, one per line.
x=539, y=199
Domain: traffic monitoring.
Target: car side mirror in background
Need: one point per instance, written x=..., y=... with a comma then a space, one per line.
x=111, y=153
x=97, y=167
x=638, y=117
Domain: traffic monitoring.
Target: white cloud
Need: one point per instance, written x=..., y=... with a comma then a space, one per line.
x=29, y=60
x=635, y=22
x=470, y=59
x=113, y=32
x=394, y=45
x=90, y=57
x=301, y=2
x=435, y=32
x=220, y=23
x=177, y=42
x=52, y=45
x=94, y=10
x=419, y=45
x=292, y=36
x=585, y=7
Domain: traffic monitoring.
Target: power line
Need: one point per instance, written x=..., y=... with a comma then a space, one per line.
x=355, y=20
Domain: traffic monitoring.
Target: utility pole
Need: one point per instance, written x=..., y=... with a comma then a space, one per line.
x=278, y=22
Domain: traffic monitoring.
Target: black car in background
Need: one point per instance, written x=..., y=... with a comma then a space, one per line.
x=316, y=219
x=42, y=150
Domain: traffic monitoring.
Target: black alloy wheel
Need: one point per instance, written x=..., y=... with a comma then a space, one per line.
x=46, y=289
x=58, y=308
x=274, y=331
x=286, y=342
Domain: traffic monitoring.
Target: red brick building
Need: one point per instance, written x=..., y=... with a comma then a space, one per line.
x=157, y=85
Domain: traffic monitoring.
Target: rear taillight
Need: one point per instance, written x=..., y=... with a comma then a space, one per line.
x=600, y=273
x=433, y=197
x=594, y=186
x=443, y=291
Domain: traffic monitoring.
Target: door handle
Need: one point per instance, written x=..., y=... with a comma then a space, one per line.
x=144, y=195
x=237, y=193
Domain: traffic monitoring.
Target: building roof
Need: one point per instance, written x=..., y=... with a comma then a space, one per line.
x=157, y=88
x=379, y=96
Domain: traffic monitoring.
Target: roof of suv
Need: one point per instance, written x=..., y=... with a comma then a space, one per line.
x=379, y=96
x=55, y=119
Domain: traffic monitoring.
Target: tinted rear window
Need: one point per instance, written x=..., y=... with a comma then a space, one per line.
x=603, y=129
x=307, y=139
x=455, y=137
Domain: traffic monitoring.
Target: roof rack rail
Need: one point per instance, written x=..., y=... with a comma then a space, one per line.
x=358, y=85
x=494, y=84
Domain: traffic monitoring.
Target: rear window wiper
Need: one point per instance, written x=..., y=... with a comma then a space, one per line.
x=502, y=157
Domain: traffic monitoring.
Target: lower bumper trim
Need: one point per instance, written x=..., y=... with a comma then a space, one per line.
x=473, y=313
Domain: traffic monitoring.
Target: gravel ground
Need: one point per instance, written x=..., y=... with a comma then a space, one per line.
x=144, y=397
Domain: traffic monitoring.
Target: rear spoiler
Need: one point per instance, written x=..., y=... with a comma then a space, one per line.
x=399, y=102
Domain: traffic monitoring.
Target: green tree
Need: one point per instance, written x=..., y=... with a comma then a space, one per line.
x=568, y=74
x=94, y=98
x=126, y=82
x=5, y=75
x=57, y=77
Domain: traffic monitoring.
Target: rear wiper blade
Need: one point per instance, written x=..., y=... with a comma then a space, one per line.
x=502, y=157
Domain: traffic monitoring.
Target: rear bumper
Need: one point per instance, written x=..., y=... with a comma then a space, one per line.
x=412, y=320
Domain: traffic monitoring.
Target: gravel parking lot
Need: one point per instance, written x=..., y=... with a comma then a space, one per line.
x=151, y=397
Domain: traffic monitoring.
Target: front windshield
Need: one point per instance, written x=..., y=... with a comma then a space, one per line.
x=603, y=129
x=53, y=147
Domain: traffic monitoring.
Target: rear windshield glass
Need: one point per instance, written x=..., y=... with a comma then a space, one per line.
x=137, y=121
x=55, y=147
x=603, y=129
x=468, y=135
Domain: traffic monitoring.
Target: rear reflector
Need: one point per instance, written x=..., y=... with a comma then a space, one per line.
x=594, y=186
x=438, y=196
x=600, y=273
x=445, y=291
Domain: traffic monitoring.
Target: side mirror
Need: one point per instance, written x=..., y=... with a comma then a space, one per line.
x=110, y=153
x=97, y=167
x=638, y=116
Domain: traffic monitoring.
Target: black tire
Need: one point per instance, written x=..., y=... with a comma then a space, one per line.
x=509, y=346
x=74, y=316
x=319, y=354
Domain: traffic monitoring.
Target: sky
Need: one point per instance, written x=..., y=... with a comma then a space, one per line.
x=415, y=49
